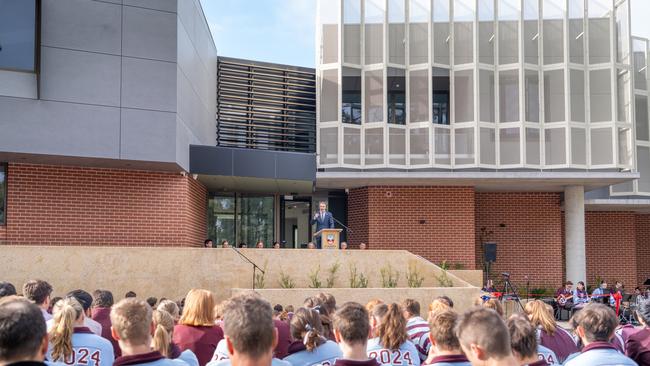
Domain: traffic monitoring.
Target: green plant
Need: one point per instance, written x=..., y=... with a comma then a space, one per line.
x=538, y=292
x=357, y=280
x=285, y=280
x=314, y=278
x=332, y=274
x=459, y=266
x=389, y=276
x=414, y=277
x=443, y=278
x=260, y=277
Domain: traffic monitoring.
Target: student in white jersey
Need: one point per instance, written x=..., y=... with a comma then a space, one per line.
x=310, y=347
x=484, y=338
x=72, y=342
x=351, y=331
x=416, y=327
x=523, y=341
x=391, y=345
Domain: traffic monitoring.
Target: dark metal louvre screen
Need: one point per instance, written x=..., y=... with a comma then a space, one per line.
x=265, y=106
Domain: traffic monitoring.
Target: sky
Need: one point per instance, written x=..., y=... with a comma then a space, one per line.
x=283, y=31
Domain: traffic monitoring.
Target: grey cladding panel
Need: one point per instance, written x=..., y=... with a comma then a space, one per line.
x=254, y=163
x=149, y=34
x=296, y=166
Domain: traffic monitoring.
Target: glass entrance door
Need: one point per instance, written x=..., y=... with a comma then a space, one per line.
x=295, y=225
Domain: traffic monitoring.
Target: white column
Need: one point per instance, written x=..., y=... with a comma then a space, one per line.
x=574, y=232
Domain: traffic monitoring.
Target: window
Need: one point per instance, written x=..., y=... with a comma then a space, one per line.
x=374, y=31
x=3, y=192
x=509, y=11
x=329, y=33
x=18, y=35
x=352, y=31
x=351, y=94
x=241, y=219
x=418, y=31
x=396, y=32
x=440, y=91
x=396, y=96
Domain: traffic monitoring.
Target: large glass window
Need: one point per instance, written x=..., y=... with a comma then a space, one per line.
x=641, y=106
x=576, y=32
x=464, y=96
x=397, y=146
x=487, y=143
x=532, y=146
x=351, y=146
x=577, y=89
x=329, y=32
x=441, y=32
x=622, y=32
x=555, y=146
x=578, y=146
x=640, y=65
x=486, y=95
x=418, y=31
x=442, y=144
x=553, y=31
x=643, y=166
x=554, y=96
x=329, y=95
x=18, y=35
x=374, y=95
x=509, y=96
x=509, y=11
x=440, y=90
x=509, y=146
x=352, y=31
x=486, y=38
x=241, y=219
x=374, y=31
x=600, y=95
x=531, y=31
x=622, y=95
x=328, y=151
x=396, y=96
x=464, y=11
x=599, y=12
x=464, y=146
x=374, y=146
x=396, y=32
x=3, y=193
x=221, y=219
x=419, y=95
x=351, y=96
x=419, y=146
x=601, y=146
x=531, y=90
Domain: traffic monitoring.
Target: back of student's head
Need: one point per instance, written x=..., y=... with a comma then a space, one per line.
x=37, y=291
x=437, y=306
x=392, y=325
x=7, y=289
x=485, y=329
x=131, y=321
x=162, y=336
x=329, y=301
x=152, y=301
x=83, y=297
x=443, y=330
x=643, y=312
x=22, y=331
x=540, y=315
x=102, y=299
x=352, y=322
x=317, y=303
x=129, y=294
x=523, y=336
x=447, y=300
x=306, y=326
x=170, y=307
x=248, y=324
x=411, y=306
x=493, y=304
x=66, y=312
x=597, y=322
x=198, y=309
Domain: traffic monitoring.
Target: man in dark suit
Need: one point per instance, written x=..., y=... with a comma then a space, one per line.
x=323, y=220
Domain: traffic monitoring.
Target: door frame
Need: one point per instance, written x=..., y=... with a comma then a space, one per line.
x=283, y=200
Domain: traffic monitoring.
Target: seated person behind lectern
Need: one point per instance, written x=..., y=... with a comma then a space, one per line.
x=323, y=220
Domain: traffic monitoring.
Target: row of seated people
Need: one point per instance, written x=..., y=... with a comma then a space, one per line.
x=318, y=333
x=573, y=300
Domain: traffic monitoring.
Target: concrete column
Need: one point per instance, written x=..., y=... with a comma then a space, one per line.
x=574, y=232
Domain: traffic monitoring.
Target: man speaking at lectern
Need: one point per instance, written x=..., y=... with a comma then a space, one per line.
x=323, y=220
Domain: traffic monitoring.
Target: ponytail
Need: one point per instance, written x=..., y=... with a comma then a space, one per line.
x=162, y=336
x=392, y=326
x=306, y=325
x=66, y=313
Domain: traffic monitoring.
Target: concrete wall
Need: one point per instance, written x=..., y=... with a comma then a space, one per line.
x=111, y=85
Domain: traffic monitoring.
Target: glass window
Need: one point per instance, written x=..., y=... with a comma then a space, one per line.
x=418, y=31
x=442, y=144
x=531, y=90
x=553, y=31
x=419, y=95
x=419, y=146
x=532, y=146
x=576, y=32
x=623, y=95
x=554, y=96
x=509, y=96
x=464, y=146
x=601, y=146
x=221, y=219
x=487, y=146
x=396, y=96
x=351, y=96
x=464, y=96
x=509, y=11
x=374, y=31
x=440, y=90
x=374, y=96
x=397, y=146
x=351, y=146
x=640, y=65
x=351, y=31
x=622, y=32
x=555, y=146
x=641, y=106
x=329, y=95
x=374, y=146
x=441, y=32
x=18, y=35
x=625, y=146
x=578, y=146
x=328, y=153
x=600, y=95
x=255, y=220
x=531, y=32
x=599, y=12
x=329, y=19
x=486, y=36
x=509, y=146
x=463, y=31
x=396, y=32
x=643, y=165
x=486, y=95
x=577, y=95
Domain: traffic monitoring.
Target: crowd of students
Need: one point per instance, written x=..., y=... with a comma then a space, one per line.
x=85, y=329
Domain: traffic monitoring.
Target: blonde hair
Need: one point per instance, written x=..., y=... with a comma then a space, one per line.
x=370, y=305
x=66, y=313
x=541, y=316
x=171, y=307
x=495, y=305
x=392, y=325
x=162, y=336
x=438, y=306
x=131, y=320
x=199, y=309
x=218, y=310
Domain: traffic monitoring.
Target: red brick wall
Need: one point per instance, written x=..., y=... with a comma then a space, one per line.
x=434, y=222
x=611, y=247
x=56, y=205
x=527, y=228
x=642, y=247
x=3, y=233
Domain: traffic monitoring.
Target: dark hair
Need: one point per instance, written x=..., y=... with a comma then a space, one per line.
x=485, y=328
x=568, y=283
x=442, y=326
x=351, y=320
x=447, y=299
x=277, y=309
x=317, y=303
x=644, y=312
x=411, y=306
x=7, y=289
x=523, y=336
x=84, y=298
x=130, y=294
x=103, y=299
x=306, y=326
x=598, y=322
x=37, y=291
x=206, y=241
x=22, y=330
x=152, y=301
x=329, y=301
x=242, y=245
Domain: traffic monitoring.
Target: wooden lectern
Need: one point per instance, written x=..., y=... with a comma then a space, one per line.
x=329, y=238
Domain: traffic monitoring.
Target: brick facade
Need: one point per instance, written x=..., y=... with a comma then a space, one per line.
x=434, y=222
x=57, y=205
x=527, y=228
x=642, y=247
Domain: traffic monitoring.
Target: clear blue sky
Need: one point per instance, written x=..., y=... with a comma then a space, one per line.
x=282, y=31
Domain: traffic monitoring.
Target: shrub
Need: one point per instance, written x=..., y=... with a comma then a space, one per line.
x=443, y=278
x=285, y=280
x=260, y=277
x=332, y=274
x=389, y=277
x=356, y=279
x=314, y=278
x=414, y=277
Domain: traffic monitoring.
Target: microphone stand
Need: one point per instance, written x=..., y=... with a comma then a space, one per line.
x=340, y=223
x=255, y=266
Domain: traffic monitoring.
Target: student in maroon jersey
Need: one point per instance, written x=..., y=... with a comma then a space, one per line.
x=101, y=313
x=351, y=330
x=284, y=333
x=549, y=334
